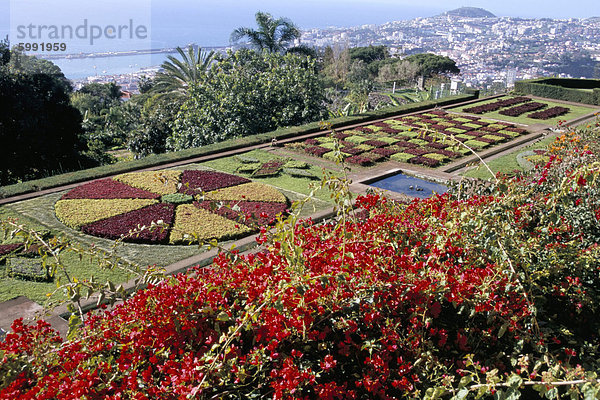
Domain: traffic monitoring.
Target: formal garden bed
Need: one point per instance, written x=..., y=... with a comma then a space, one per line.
x=428, y=139
x=525, y=110
x=170, y=207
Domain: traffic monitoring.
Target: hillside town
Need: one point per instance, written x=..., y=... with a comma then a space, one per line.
x=486, y=49
x=491, y=52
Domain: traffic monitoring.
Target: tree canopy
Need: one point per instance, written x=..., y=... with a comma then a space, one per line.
x=178, y=76
x=273, y=34
x=39, y=129
x=430, y=64
x=248, y=93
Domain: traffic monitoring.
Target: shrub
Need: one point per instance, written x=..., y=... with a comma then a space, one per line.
x=402, y=157
x=27, y=268
x=300, y=173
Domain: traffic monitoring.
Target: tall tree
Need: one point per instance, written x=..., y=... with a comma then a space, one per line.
x=180, y=75
x=273, y=35
x=249, y=93
x=39, y=129
x=430, y=64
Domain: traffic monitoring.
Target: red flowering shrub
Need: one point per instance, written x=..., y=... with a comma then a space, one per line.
x=490, y=295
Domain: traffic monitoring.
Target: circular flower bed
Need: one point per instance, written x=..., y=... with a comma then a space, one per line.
x=170, y=206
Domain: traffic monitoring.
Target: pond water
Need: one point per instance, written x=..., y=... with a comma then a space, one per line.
x=409, y=185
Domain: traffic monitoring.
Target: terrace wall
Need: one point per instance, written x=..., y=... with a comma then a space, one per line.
x=586, y=91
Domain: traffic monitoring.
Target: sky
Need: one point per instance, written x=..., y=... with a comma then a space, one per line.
x=209, y=22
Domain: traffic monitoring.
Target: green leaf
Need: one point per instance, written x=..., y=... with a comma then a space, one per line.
x=462, y=394
x=223, y=316
x=74, y=324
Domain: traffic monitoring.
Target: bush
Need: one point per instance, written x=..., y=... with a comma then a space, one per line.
x=490, y=295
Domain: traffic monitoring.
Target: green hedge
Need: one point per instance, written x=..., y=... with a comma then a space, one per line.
x=232, y=144
x=562, y=89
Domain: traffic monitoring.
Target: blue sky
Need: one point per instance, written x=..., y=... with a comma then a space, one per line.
x=215, y=19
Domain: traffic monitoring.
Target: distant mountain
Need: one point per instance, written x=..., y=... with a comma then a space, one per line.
x=470, y=12
x=593, y=19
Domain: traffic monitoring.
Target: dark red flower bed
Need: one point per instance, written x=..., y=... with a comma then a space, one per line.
x=338, y=135
x=376, y=143
x=549, y=113
x=406, y=144
x=438, y=145
x=522, y=109
x=429, y=162
x=447, y=153
x=108, y=189
x=352, y=150
x=120, y=225
x=359, y=160
x=389, y=131
x=515, y=129
x=416, y=152
x=317, y=151
x=9, y=248
x=311, y=142
x=484, y=108
x=386, y=152
x=269, y=168
x=251, y=213
x=194, y=182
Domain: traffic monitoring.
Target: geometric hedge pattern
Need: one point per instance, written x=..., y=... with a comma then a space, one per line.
x=170, y=207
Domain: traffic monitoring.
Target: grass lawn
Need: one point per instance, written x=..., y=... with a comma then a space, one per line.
x=576, y=112
x=282, y=181
x=506, y=163
x=37, y=291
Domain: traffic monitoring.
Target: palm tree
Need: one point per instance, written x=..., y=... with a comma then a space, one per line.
x=179, y=75
x=273, y=35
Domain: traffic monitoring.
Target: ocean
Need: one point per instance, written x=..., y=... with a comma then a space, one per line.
x=210, y=23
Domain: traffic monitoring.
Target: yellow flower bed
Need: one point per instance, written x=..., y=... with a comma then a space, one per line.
x=193, y=224
x=162, y=182
x=77, y=212
x=252, y=191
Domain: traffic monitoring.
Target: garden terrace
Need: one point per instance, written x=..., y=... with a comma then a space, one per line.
x=524, y=115
x=428, y=139
x=170, y=207
x=489, y=295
